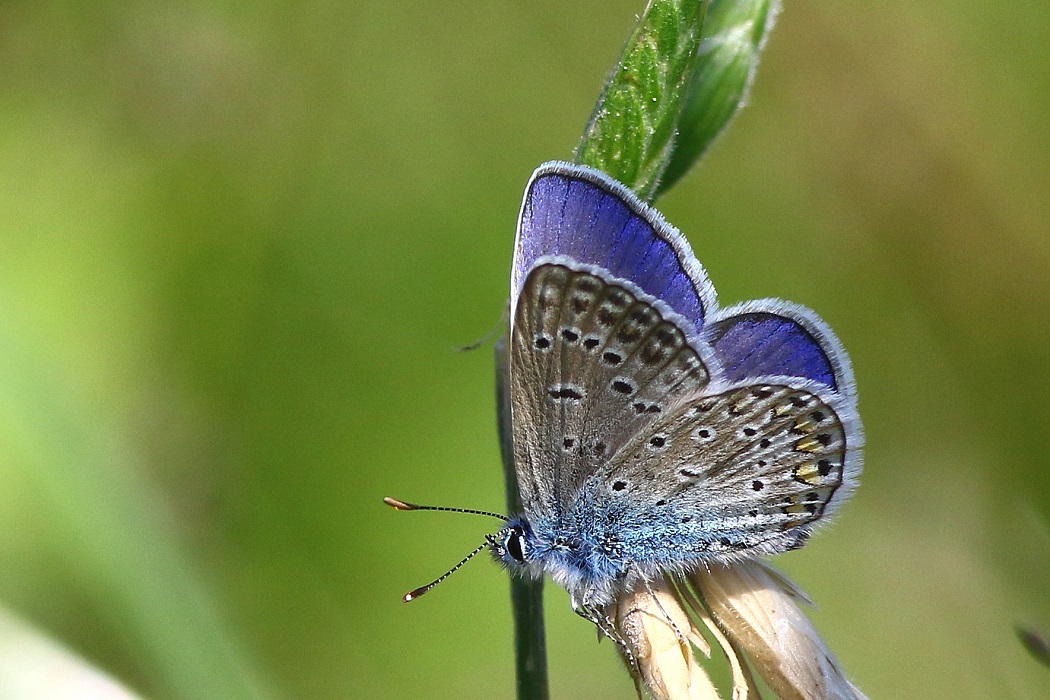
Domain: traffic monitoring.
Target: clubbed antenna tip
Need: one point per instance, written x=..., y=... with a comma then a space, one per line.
x=413, y=594
x=398, y=505
x=401, y=505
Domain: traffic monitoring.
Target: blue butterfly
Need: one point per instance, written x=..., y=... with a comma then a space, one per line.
x=654, y=432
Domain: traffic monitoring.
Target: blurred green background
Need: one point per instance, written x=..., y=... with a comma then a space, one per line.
x=239, y=242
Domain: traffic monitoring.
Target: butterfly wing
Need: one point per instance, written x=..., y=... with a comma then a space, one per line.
x=592, y=363
x=747, y=470
x=583, y=215
x=591, y=262
x=773, y=337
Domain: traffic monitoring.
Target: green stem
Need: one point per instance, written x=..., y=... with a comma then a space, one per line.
x=631, y=132
x=526, y=595
x=734, y=34
x=682, y=76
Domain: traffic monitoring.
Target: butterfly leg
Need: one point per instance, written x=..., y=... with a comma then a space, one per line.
x=601, y=620
x=682, y=641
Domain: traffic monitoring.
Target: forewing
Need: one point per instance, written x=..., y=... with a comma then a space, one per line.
x=593, y=362
x=582, y=214
x=745, y=471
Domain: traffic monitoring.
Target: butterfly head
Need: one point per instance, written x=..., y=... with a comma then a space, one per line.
x=575, y=560
x=513, y=545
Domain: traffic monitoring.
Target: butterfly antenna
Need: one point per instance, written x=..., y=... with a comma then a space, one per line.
x=416, y=592
x=401, y=505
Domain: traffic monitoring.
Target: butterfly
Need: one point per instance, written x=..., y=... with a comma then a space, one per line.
x=654, y=432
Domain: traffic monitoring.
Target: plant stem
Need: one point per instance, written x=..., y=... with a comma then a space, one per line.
x=526, y=595
x=631, y=132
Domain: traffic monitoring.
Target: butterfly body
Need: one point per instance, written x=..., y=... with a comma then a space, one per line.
x=652, y=431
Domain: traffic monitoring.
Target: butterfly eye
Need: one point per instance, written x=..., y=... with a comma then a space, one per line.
x=513, y=544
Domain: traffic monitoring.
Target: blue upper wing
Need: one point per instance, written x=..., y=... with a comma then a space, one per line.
x=581, y=214
x=773, y=337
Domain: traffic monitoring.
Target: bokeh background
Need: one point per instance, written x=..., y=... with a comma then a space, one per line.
x=239, y=243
